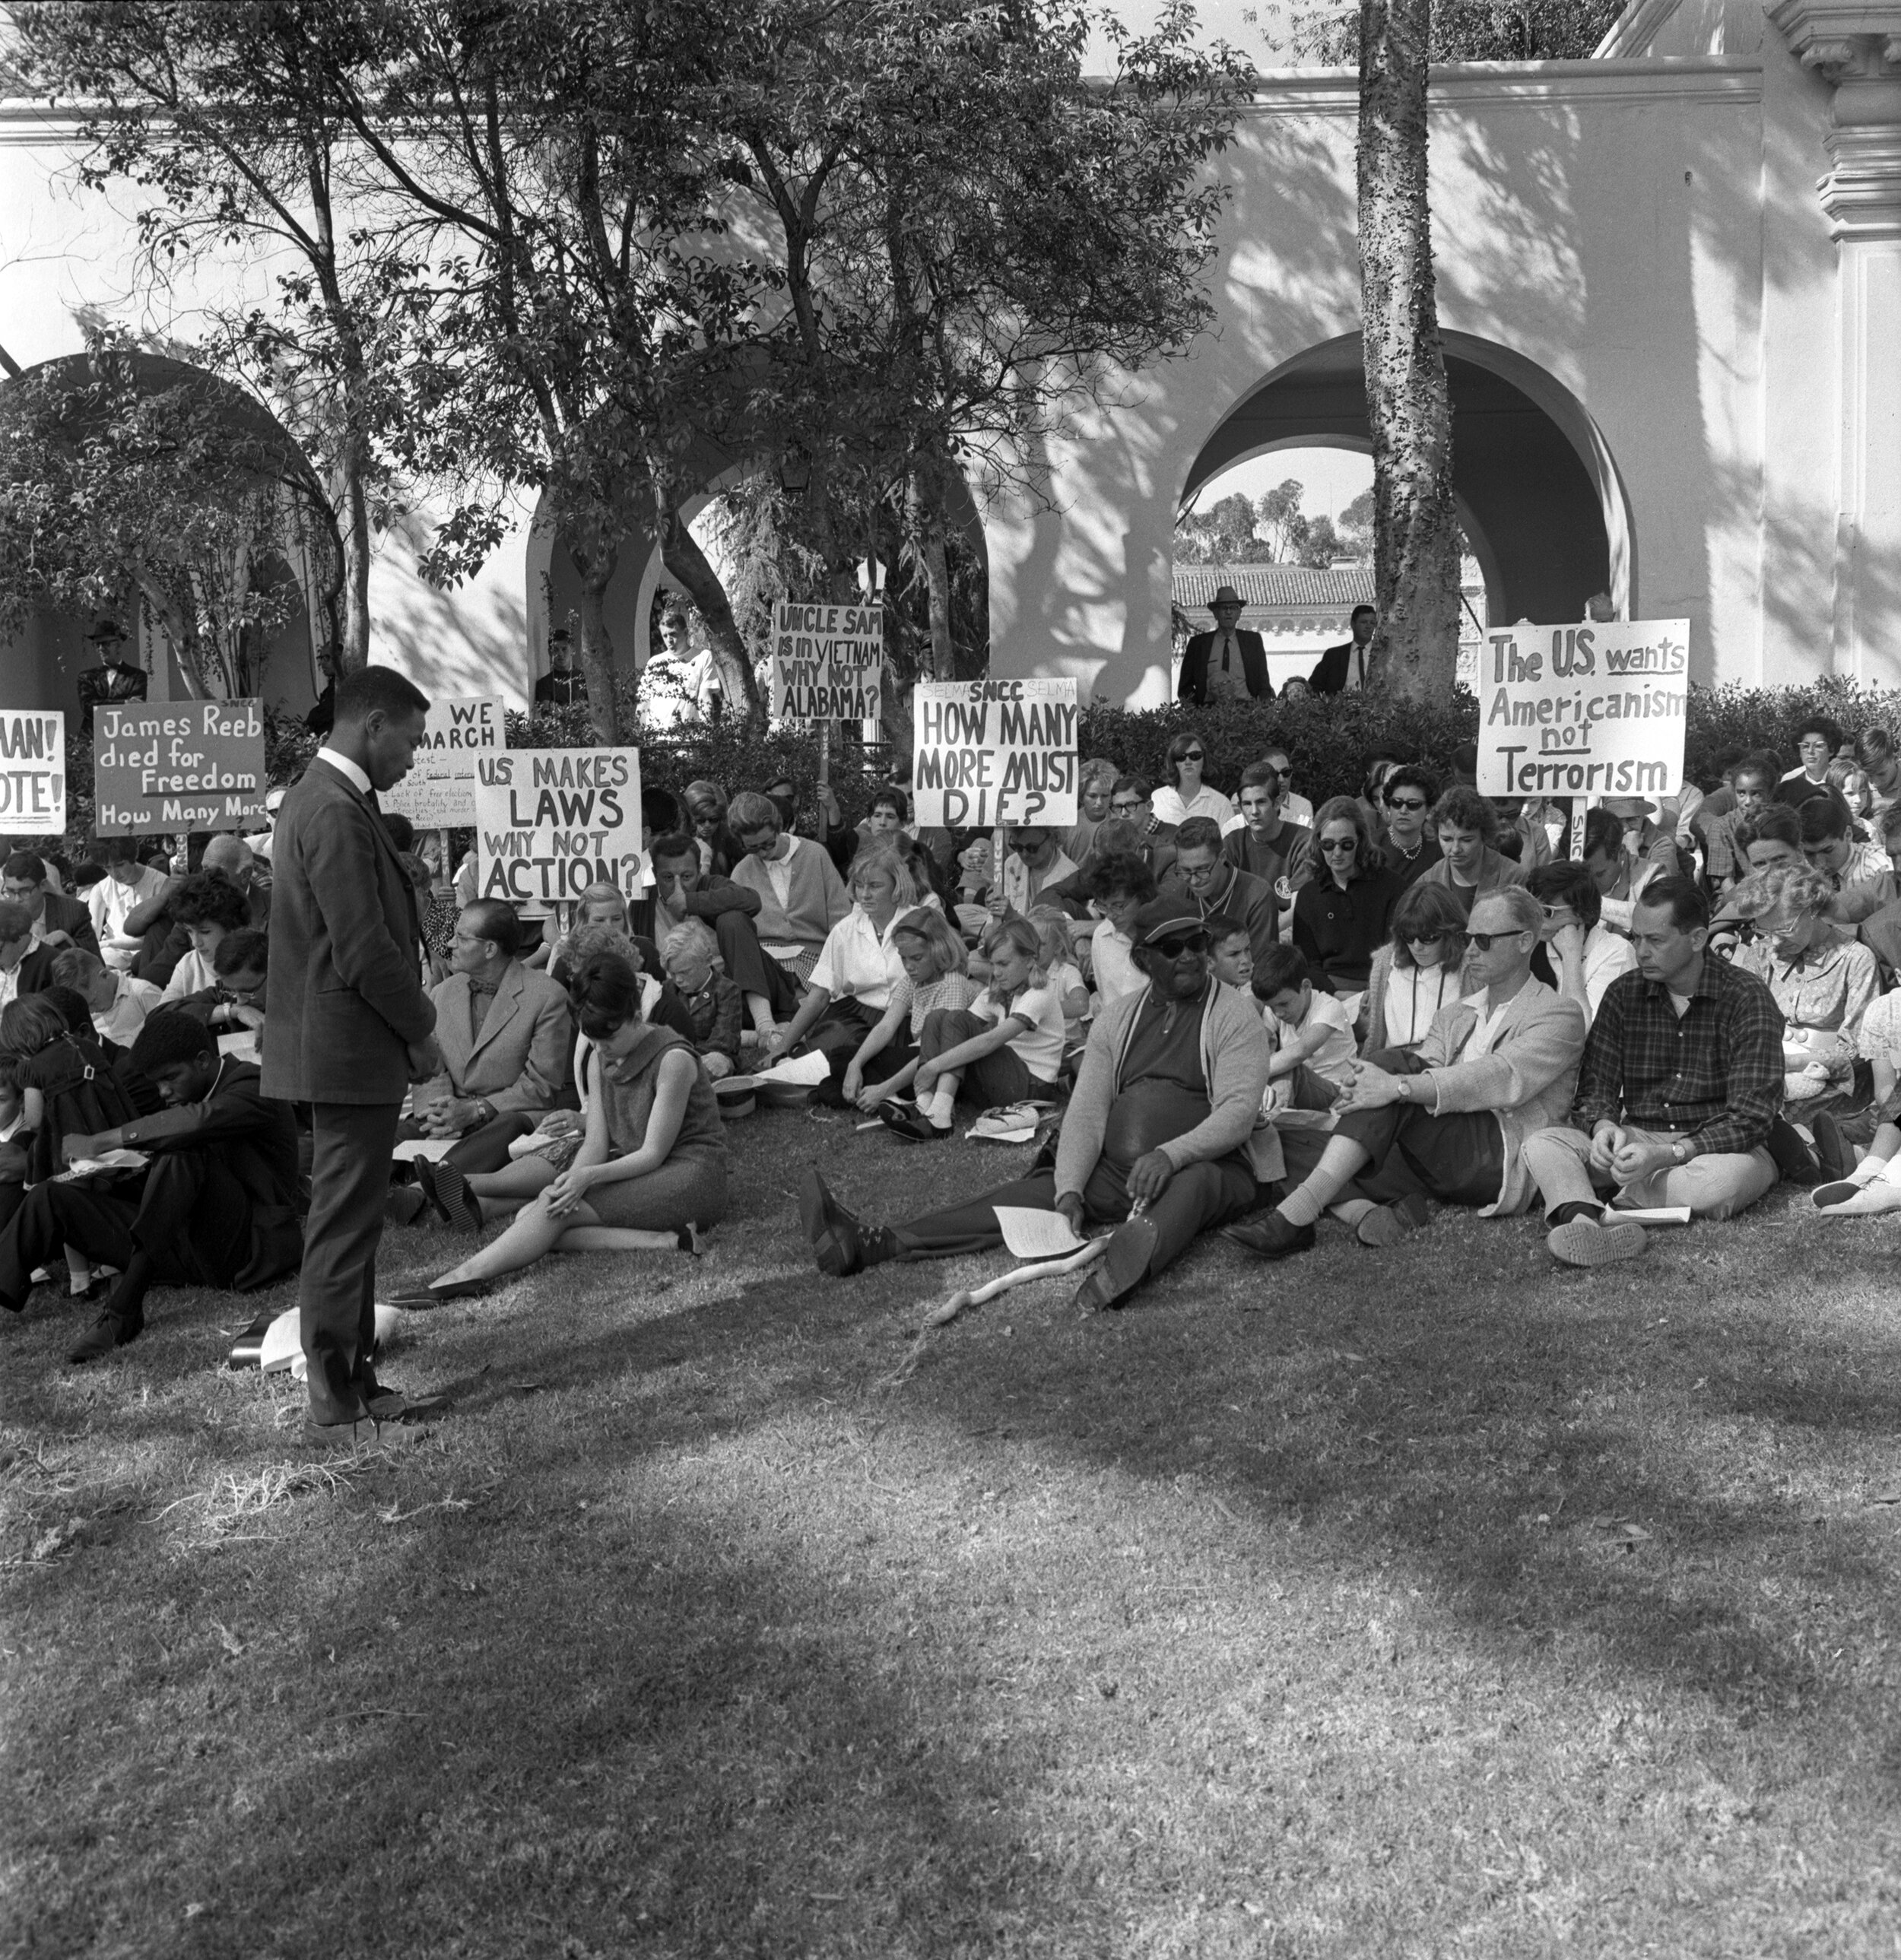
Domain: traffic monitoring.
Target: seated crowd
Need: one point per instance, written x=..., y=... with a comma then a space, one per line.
x=1246, y=1015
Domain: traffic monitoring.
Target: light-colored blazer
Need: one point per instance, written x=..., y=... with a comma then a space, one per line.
x=519, y=1061
x=1525, y=1072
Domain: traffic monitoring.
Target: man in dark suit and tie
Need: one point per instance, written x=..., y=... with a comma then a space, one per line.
x=347, y=1028
x=1344, y=666
x=57, y=920
x=1226, y=664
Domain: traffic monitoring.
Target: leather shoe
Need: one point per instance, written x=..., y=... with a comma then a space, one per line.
x=448, y=1189
x=1121, y=1268
x=390, y=1404
x=1832, y=1148
x=405, y=1204
x=1269, y=1235
x=108, y=1331
x=419, y=1299
x=835, y=1234
x=361, y=1436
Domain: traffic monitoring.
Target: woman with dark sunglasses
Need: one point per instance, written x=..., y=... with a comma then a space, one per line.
x=1416, y=972
x=1187, y=795
x=1341, y=918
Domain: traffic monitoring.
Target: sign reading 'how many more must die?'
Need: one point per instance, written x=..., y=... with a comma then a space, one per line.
x=992, y=751
x=1590, y=711
x=33, y=772
x=178, y=765
x=439, y=793
x=550, y=823
x=827, y=661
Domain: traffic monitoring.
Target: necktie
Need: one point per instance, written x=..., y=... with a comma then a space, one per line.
x=1228, y=640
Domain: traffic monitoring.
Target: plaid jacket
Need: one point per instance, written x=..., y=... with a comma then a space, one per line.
x=1715, y=1075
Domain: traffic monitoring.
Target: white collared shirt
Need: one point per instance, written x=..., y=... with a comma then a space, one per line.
x=858, y=962
x=779, y=870
x=347, y=769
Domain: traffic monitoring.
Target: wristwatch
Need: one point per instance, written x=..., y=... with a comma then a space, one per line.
x=1680, y=1153
x=485, y=1110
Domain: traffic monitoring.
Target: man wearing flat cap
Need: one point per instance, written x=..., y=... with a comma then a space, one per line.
x=116, y=679
x=1156, y=1141
x=1226, y=664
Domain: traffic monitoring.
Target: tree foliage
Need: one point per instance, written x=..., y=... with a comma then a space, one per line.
x=1465, y=30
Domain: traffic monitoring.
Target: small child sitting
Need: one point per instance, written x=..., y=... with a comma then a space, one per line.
x=933, y=960
x=1314, y=1048
x=1059, y=966
x=714, y=1005
x=1230, y=952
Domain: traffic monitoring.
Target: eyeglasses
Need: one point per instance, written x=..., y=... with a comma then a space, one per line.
x=1406, y=803
x=1557, y=911
x=1127, y=802
x=1483, y=940
x=1339, y=843
x=1192, y=756
x=1173, y=947
x=1433, y=938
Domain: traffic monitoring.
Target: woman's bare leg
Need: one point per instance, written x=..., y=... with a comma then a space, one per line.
x=616, y=1238
x=533, y=1234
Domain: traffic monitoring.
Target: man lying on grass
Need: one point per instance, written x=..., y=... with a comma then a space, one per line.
x=1449, y=1121
x=1155, y=1140
x=1680, y=1084
x=216, y=1207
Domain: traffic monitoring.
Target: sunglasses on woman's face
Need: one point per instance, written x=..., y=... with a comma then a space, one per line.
x=1432, y=938
x=1406, y=803
x=1339, y=843
x=1193, y=755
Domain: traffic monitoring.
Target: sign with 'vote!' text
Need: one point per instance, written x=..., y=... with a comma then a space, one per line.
x=550, y=823
x=994, y=752
x=439, y=793
x=1593, y=711
x=33, y=772
x=178, y=765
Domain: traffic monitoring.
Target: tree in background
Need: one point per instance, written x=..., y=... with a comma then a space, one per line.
x=1465, y=30
x=1278, y=518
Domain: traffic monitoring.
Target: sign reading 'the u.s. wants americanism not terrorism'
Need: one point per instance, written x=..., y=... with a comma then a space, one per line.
x=992, y=751
x=1590, y=711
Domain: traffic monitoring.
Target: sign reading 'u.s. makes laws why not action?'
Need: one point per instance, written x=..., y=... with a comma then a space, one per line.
x=992, y=751
x=1592, y=710
x=550, y=823
x=178, y=765
x=33, y=773
x=827, y=662
x=439, y=793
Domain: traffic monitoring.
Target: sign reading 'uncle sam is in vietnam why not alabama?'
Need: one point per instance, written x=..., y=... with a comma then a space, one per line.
x=827, y=661
x=1585, y=711
x=550, y=823
x=994, y=752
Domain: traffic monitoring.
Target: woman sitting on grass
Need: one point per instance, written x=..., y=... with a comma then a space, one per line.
x=1416, y=972
x=1007, y=1045
x=650, y=1174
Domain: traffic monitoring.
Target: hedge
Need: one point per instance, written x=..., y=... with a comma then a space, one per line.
x=1328, y=737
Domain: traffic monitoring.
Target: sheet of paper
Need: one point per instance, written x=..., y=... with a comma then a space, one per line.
x=434, y=1148
x=1032, y=1234
x=107, y=1160
x=806, y=1070
x=1655, y=1214
x=243, y=1045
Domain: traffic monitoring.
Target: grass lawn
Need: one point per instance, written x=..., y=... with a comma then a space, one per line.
x=1426, y=1602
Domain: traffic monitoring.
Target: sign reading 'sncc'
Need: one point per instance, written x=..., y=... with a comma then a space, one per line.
x=1591, y=712
x=550, y=823
x=992, y=751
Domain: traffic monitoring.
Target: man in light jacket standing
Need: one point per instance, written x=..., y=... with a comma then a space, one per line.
x=347, y=1028
x=1450, y=1122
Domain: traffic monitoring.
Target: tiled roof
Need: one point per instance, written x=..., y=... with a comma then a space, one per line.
x=1274, y=585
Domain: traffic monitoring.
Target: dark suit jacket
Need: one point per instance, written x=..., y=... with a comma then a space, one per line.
x=72, y=916
x=1329, y=676
x=345, y=999
x=1193, y=684
x=36, y=969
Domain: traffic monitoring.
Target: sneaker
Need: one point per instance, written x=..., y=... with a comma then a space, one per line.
x=1580, y=1242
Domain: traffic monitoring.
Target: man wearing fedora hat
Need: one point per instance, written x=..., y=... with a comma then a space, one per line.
x=115, y=679
x=1226, y=664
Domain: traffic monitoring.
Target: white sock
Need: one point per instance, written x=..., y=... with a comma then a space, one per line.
x=941, y=1107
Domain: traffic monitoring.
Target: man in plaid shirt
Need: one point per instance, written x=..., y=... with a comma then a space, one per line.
x=1681, y=1081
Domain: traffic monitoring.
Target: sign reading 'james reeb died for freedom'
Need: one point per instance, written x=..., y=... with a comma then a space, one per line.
x=33, y=773
x=1588, y=711
x=550, y=823
x=992, y=751
x=178, y=765
x=439, y=793
x=827, y=661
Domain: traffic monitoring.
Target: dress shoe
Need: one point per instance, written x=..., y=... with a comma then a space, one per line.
x=1833, y=1149
x=108, y=1331
x=1580, y=1242
x=362, y=1437
x=1123, y=1268
x=419, y=1299
x=1269, y=1235
x=405, y=1204
x=449, y=1192
x=1388, y=1224
x=390, y=1404
x=836, y=1236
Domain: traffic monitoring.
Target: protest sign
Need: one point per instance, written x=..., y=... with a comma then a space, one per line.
x=439, y=790
x=178, y=765
x=550, y=823
x=1590, y=711
x=33, y=773
x=827, y=661
x=994, y=752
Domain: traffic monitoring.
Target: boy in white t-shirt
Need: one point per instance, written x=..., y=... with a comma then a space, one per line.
x=1874, y=1183
x=1314, y=1048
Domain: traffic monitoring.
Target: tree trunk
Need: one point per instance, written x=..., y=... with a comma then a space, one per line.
x=1415, y=648
x=595, y=562
x=351, y=499
x=927, y=525
x=680, y=553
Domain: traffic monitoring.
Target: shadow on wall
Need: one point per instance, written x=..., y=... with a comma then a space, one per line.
x=469, y=642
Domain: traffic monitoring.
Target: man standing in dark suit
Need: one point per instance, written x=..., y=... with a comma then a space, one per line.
x=57, y=920
x=347, y=1027
x=1226, y=664
x=1344, y=666
x=561, y=686
x=115, y=680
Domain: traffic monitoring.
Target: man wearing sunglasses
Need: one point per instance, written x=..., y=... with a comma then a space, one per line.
x=1226, y=664
x=1450, y=1122
x=1155, y=1141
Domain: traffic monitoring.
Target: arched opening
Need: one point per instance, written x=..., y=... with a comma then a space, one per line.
x=1537, y=489
x=237, y=587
